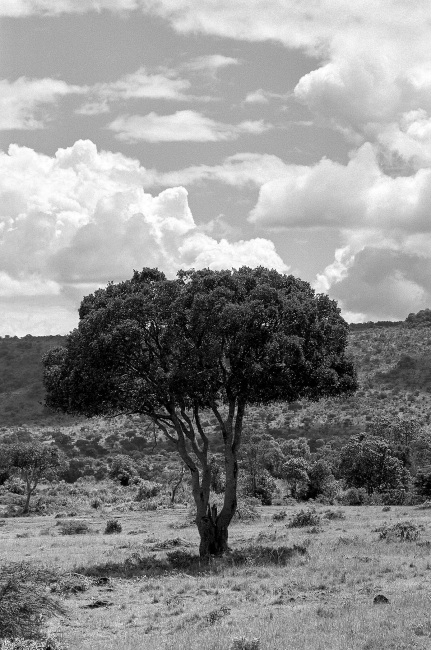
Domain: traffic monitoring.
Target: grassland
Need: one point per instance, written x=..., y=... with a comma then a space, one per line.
x=321, y=599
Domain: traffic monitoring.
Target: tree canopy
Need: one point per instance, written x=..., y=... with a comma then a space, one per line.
x=216, y=340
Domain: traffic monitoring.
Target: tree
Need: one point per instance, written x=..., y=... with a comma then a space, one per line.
x=123, y=469
x=32, y=462
x=207, y=340
x=369, y=462
x=295, y=472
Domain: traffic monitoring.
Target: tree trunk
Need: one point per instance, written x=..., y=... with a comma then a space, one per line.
x=213, y=534
x=27, y=503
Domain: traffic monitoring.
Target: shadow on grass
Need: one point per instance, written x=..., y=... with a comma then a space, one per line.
x=152, y=565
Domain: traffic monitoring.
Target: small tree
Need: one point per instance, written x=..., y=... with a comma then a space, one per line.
x=33, y=462
x=295, y=473
x=208, y=340
x=368, y=462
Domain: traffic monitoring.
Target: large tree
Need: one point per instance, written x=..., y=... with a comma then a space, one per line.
x=207, y=340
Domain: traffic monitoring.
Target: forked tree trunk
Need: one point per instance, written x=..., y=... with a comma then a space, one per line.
x=214, y=528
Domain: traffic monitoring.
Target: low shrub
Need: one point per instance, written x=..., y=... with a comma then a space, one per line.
x=353, y=497
x=75, y=527
x=279, y=516
x=71, y=583
x=334, y=514
x=405, y=531
x=113, y=526
x=24, y=602
x=148, y=489
x=305, y=518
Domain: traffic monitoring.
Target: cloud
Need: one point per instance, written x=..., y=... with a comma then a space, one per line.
x=71, y=222
x=261, y=96
x=182, y=126
x=354, y=196
x=382, y=284
x=210, y=63
x=23, y=102
x=239, y=170
x=141, y=84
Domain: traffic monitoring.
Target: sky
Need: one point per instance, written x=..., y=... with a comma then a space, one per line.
x=292, y=134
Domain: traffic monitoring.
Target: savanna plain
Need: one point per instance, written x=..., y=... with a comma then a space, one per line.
x=282, y=586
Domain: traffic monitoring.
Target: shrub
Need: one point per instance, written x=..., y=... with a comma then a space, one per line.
x=334, y=514
x=147, y=489
x=305, y=518
x=354, y=497
x=405, y=531
x=24, y=603
x=113, y=526
x=14, y=485
x=74, y=527
x=96, y=503
x=279, y=516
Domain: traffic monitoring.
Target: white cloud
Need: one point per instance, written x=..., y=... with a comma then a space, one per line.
x=210, y=63
x=262, y=96
x=355, y=196
x=74, y=221
x=239, y=170
x=381, y=283
x=23, y=102
x=182, y=126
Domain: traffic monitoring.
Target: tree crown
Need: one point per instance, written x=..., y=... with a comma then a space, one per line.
x=149, y=343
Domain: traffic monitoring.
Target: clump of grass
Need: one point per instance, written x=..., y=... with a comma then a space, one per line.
x=217, y=614
x=305, y=518
x=71, y=583
x=24, y=603
x=279, y=516
x=261, y=555
x=75, y=527
x=113, y=526
x=334, y=514
x=242, y=643
x=405, y=531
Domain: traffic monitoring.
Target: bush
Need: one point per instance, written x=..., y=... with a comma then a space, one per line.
x=305, y=518
x=334, y=514
x=14, y=485
x=74, y=527
x=405, y=531
x=148, y=489
x=279, y=516
x=24, y=603
x=354, y=497
x=113, y=526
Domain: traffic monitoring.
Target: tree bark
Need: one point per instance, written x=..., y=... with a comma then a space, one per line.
x=213, y=534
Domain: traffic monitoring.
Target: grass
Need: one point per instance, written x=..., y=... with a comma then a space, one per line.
x=313, y=600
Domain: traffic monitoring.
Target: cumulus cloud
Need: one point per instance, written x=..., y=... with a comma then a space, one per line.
x=23, y=102
x=355, y=196
x=71, y=222
x=379, y=283
x=182, y=126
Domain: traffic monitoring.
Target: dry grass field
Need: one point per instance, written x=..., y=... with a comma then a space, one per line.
x=118, y=597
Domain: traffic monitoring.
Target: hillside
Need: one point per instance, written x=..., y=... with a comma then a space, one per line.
x=394, y=368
